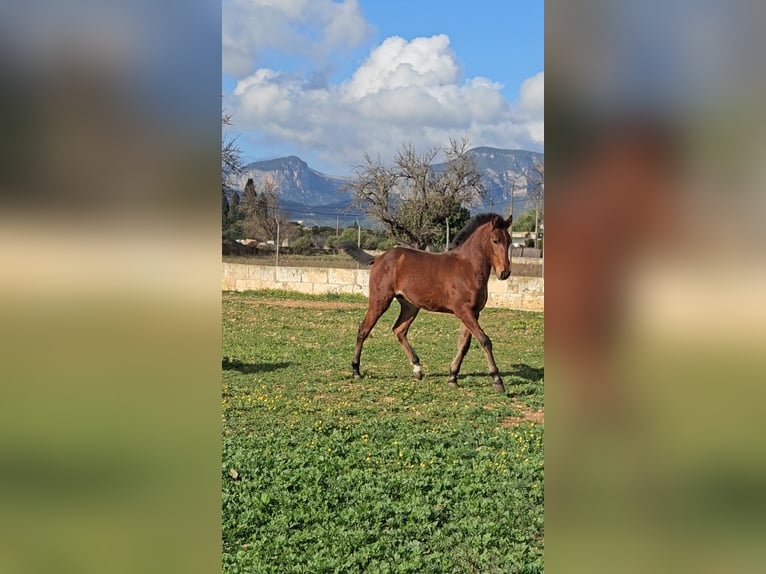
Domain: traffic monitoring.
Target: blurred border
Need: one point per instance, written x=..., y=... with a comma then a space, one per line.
x=109, y=246
x=654, y=313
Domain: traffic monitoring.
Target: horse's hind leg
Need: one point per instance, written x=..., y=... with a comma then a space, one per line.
x=463, y=344
x=406, y=317
x=376, y=307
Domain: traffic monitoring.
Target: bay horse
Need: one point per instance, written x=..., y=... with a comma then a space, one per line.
x=451, y=282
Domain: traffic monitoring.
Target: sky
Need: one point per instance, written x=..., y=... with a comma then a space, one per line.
x=331, y=80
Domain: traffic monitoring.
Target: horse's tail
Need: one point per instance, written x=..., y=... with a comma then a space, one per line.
x=353, y=250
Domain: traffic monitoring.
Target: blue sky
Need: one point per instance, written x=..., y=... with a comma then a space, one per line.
x=502, y=40
x=329, y=80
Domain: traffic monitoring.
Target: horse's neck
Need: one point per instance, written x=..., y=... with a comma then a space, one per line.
x=473, y=253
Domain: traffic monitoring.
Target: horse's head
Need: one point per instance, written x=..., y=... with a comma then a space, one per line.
x=498, y=245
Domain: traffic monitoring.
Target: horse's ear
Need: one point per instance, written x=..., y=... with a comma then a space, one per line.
x=500, y=223
x=509, y=221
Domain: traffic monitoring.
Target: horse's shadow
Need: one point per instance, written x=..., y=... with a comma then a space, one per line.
x=530, y=374
x=228, y=364
x=518, y=371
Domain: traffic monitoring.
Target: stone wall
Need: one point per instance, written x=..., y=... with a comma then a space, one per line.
x=316, y=280
x=516, y=293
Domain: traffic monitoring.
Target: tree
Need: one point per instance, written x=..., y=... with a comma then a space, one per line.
x=225, y=212
x=231, y=216
x=260, y=212
x=524, y=222
x=234, y=204
x=536, y=178
x=249, y=207
x=231, y=169
x=456, y=222
x=231, y=157
x=410, y=198
x=303, y=245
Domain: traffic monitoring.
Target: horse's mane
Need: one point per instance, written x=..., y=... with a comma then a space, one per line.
x=473, y=224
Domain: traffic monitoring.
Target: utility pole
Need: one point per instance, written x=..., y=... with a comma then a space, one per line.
x=490, y=204
x=446, y=247
x=277, y=220
x=538, y=206
x=337, y=224
x=359, y=234
x=513, y=190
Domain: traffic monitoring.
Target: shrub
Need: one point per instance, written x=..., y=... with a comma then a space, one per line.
x=331, y=243
x=369, y=241
x=303, y=245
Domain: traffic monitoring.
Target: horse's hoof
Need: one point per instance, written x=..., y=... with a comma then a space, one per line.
x=357, y=376
x=418, y=375
x=453, y=384
x=499, y=387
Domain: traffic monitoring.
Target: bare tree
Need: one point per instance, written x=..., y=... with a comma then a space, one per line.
x=412, y=199
x=231, y=169
x=231, y=157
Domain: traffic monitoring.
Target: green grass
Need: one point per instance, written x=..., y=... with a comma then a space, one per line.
x=280, y=294
x=386, y=474
x=333, y=260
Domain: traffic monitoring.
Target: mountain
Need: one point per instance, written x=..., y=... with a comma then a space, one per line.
x=317, y=198
x=504, y=170
x=298, y=184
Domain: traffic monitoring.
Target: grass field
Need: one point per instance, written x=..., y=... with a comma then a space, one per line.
x=322, y=473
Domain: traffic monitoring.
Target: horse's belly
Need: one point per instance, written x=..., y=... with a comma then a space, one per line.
x=436, y=308
x=425, y=302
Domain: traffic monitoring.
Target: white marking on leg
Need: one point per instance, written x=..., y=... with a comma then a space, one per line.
x=417, y=369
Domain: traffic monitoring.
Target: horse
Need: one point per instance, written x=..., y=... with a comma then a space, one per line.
x=451, y=282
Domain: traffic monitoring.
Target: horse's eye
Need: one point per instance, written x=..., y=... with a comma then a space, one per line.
x=494, y=241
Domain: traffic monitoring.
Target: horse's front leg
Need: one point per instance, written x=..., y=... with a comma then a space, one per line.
x=375, y=309
x=471, y=322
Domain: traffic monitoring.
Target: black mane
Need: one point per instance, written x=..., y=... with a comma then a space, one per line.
x=474, y=223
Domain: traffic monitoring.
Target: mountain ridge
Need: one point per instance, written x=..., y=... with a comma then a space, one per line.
x=310, y=195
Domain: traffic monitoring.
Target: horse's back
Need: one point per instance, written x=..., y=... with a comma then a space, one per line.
x=424, y=279
x=404, y=262
x=392, y=264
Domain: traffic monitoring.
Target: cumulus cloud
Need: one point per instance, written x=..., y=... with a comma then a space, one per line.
x=405, y=91
x=312, y=28
x=423, y=62
x=532, y=105
x=532, y=94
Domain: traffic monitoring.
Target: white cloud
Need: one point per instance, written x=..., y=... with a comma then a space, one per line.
x=404, y=92
x=312, y=28
x=425, y=62
x=532, y=94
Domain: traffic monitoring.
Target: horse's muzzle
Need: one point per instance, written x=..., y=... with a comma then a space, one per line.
x=505, y=274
